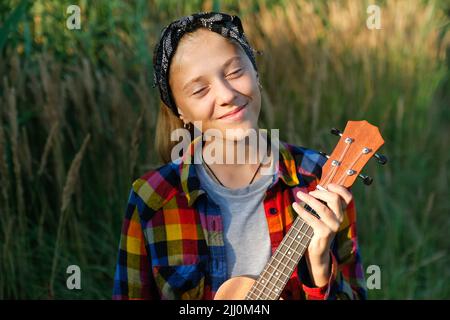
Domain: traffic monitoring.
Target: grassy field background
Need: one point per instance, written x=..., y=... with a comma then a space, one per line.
x=78, y=112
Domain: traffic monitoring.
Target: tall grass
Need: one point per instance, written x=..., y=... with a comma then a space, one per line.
x=77, y=120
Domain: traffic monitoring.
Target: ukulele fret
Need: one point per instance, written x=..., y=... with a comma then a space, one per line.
x=282, y=264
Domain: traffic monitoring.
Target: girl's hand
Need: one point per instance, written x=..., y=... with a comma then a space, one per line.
x=331, y=216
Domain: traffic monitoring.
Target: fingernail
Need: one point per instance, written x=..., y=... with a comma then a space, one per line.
x=300, y=194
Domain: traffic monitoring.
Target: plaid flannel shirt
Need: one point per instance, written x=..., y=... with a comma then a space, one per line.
x=172, y=241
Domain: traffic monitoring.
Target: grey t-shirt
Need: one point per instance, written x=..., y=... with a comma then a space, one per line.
x=246, y=234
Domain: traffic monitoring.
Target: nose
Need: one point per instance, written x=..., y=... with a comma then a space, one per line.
x=225, y=94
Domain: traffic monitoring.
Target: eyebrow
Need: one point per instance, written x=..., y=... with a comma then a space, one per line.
x=226, y=64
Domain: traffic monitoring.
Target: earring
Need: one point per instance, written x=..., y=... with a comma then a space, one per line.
x=185, y=124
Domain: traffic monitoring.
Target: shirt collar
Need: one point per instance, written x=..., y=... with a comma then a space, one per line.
x=190, y=183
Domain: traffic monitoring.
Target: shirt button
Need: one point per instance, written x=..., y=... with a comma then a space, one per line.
x=273, y=210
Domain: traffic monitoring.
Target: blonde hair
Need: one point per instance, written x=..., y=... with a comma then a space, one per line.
x=166, y=123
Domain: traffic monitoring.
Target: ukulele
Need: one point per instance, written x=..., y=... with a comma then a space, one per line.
x=357, y=144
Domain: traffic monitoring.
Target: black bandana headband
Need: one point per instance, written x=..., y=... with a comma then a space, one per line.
x=221, y=23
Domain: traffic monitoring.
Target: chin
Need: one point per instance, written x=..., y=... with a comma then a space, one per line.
x=239, y=131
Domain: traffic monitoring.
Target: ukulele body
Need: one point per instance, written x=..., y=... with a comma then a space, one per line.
x=235, y=288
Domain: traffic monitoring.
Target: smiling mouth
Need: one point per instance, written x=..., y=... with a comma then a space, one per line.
x=233, y=112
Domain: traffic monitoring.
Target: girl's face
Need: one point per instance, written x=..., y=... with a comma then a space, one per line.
x=213, y=81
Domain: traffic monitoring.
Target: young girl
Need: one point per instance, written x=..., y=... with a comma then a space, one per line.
x=192, y=224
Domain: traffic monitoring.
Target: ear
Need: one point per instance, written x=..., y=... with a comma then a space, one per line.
x=182, y=116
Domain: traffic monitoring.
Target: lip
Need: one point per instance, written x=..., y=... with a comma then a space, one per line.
x=235, y=114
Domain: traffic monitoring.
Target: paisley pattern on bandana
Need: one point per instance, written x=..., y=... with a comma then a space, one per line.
x=228, y=26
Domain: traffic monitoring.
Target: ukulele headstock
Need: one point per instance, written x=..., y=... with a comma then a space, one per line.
x=357, y=144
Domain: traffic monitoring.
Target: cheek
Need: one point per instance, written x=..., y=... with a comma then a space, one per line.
x=246, y=85
x=250, y=88
x=200, y=109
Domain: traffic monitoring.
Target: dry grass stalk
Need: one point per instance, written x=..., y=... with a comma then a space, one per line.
x=142, y=91
x=69, y=188
x=72, y=175
x=135, y=141
x=52, y=111
x=14, y=138
x=48, y=145
x=73, y=86
x=89, y=86
x=54, y=94
x=118, y=121
x=36, y=89
x=26, y=158
x=4, y=174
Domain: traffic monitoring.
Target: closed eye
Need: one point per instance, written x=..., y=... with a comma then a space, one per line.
x=235, y=72
x=199, y=91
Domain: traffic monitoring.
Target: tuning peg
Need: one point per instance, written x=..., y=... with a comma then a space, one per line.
x=381, y=159
x=336, y=132
x=366, y=179
x=324, y=154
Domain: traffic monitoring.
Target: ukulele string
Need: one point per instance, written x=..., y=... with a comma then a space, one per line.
x=294, y=250
x=263, y=290
x=266, y=285
x=332, y=173
x=271, y=290
x=344, y=176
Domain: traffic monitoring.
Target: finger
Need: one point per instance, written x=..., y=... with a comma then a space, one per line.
x=342, y=191
x=324, y=212
x=334, y=202
x=318, y=226
x=321, y=209
x=318, y=206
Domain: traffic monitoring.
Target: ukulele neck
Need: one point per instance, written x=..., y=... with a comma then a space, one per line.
x=283, y=262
